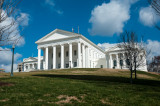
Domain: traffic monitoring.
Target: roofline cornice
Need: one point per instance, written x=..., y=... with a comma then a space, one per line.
x=84, y=38
x=78, y=35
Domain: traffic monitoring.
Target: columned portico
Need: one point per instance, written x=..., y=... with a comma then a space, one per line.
x=62, y=49
x=62, y=56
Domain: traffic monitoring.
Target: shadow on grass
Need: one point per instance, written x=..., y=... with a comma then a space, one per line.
x=104, y=79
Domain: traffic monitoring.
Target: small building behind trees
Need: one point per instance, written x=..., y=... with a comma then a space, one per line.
x=154, y=66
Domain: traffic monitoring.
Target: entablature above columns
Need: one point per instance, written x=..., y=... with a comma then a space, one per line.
x=57, y=44
x=51, y=44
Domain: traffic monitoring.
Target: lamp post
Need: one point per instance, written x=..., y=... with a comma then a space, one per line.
x=13, y=47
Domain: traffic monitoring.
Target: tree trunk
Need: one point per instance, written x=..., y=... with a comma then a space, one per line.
x=135, y=70
x=135, y=74
x=131, y=77
x=135, y=67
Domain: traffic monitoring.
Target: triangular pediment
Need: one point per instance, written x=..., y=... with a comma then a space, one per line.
x=115, y=48
x=30, y=59
x=56, y=35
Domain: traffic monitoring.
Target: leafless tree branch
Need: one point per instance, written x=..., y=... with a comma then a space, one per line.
x=8, y=22
x=135, y=51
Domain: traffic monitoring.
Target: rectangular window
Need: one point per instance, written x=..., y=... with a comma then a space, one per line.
x=121, y=62
x=75, y=52
x=114, y=63
x=101, y=66
x=59, y=54
x=67, y=65
x=66, y=53
x=75, y=64
x=30, y=66
x=59, y=65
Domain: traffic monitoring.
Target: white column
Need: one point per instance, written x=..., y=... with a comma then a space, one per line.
x=70, y=55
x=33, y=66
x=117, y=61
x=87, y=57
x=24, y=67
x=97, y=56
x=94, y=58
x=83, y=55
x=91, y=58
x=62, y=56
x=29, y=67
x=46, y=60
x=79, y=55
x=54, y=57
x=124, y=61
x=111, y=61
x=39, y=58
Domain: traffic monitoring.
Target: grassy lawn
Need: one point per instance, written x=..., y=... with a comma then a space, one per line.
x=79, y=87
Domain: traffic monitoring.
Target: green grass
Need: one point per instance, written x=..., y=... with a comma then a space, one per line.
x=80, y=87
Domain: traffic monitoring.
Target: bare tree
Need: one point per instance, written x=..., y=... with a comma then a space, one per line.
x=154, y=66
x=8, y=22
x=121, y=62
x=155, y=4
x=134, y=51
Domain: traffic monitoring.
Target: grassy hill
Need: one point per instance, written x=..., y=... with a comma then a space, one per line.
x=79, y=87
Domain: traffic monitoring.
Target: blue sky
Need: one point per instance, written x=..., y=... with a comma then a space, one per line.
x=46, y=15
x=44, y=19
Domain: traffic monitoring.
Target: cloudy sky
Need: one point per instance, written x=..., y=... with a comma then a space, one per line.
x=101, y=21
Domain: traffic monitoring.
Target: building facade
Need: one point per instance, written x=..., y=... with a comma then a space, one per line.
x=116, y=59
x=63, y=49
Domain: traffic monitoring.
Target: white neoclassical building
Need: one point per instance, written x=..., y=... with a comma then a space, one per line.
x=63, y=49
x=115, y=58
x=30, y=64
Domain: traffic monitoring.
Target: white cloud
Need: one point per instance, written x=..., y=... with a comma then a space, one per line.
x=6, y=59
x=147, y=16
x=59, y=12
x=154, y=47
x=109, y=18
x=21, y=21
x=8, y=67
x=50, y=2
x=151, y=45
x=52, y=6
x=106, y=46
